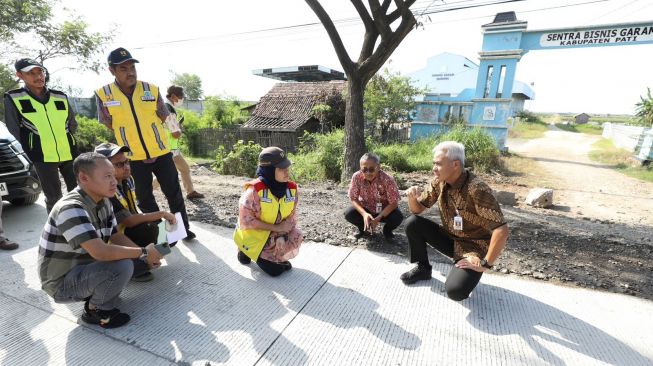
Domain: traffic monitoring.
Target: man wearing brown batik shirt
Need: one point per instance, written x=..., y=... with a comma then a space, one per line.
x=473, y=230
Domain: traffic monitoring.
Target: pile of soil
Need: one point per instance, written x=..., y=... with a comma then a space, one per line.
x=555, y=245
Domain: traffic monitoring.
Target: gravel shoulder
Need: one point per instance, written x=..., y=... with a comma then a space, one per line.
x=575, y=243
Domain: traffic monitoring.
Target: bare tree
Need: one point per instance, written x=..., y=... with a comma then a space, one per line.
x=378, y=19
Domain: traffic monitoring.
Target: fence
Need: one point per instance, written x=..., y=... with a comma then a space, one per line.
x=625, y=137
x=207, y=140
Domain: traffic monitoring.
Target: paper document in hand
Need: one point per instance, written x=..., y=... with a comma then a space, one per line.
x=174, y=232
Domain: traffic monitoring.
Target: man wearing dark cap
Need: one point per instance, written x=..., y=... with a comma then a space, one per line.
x=141, y=228
x=43, y=122
x=135, y=111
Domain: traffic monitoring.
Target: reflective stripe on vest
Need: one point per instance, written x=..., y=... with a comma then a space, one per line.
x=48, y=121
x=252, y=241
x=134, y=120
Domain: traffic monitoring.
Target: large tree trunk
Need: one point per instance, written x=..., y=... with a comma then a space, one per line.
x=354, y=128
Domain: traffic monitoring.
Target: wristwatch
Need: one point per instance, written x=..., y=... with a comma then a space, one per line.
x=484, y=263
x=143, y=256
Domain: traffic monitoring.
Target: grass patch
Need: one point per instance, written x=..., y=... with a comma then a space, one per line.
x=528, y=129
x=604, y=151
x=585, y=128
x=529, y=172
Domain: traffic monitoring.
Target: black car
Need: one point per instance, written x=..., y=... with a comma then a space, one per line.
x=19, y=183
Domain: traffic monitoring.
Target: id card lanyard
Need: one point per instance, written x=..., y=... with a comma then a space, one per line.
x=458, y=222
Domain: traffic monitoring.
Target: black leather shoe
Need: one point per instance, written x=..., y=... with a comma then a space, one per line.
x=190, y=235
x=421, y=272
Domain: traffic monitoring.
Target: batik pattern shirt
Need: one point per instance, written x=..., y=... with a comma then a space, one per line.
x=472, y=199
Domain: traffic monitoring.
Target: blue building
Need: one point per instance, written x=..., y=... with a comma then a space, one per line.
x=450, y=81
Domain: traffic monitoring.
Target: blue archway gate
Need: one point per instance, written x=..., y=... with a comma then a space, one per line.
x=506, y=41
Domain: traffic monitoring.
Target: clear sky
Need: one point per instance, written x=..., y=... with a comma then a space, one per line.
x=213, y=39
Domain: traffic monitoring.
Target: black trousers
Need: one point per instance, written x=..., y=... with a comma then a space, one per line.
x=272, y=268
x=391, y=221
x=166, y=173
x=50, y=182
x=420, y=231
x=142, y=234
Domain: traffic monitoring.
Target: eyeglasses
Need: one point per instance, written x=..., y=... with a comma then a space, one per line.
x=121, y=164
x=368, y=170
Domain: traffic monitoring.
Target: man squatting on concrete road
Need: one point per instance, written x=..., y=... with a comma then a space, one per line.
x=473, y=230
x=76, y=261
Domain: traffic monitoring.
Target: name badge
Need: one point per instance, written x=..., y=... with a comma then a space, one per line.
x=146, y=98
x=112, y=103
x=458, y=223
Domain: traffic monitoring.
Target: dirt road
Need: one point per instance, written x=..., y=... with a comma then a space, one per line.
x=597, y=236
x=585, y=187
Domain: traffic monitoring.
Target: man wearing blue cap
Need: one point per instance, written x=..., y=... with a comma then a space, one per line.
x=135, y=111
x=43, y=122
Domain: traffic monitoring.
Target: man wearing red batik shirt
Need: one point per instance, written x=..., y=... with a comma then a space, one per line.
x=374, y=199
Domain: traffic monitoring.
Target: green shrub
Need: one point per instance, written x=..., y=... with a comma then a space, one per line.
x=324, y=150
x=481, y=152
x=192, y=124
x=241, y=161
x=91, y=133
x=306, y=168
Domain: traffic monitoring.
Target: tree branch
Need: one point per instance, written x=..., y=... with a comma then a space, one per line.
x=397, y=13
x=382, y=26
x=362, y=12
x=387, y=46
x=341, y=52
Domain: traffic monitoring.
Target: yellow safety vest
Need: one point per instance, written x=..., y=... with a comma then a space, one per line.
x=127, y=200
x=273, y=210
x=44, y=131
x=134, y=120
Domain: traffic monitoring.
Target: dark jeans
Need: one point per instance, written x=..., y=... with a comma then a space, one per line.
x=391, y=221
x=166, y=173
x=101, y=281
x=142, y=235
x=272, y=268
x=50, y=182
x=420, y=231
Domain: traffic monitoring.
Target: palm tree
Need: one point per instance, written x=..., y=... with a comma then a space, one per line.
x=645, y=109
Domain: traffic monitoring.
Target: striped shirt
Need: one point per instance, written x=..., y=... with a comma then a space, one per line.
x=74, y=219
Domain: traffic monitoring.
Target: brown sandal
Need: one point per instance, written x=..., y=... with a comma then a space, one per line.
x=7, y=244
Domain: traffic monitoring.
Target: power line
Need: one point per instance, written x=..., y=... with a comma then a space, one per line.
x=307, y=27
x=313, y=24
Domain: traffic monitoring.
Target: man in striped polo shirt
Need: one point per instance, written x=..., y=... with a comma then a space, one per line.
x=76, y=261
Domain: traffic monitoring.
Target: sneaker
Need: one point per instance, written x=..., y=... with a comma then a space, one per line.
x=189, y=235
x=144, y=277
x=287, y=265
x=7, y=244
x=193, y=195
x=421, y=272
x=243, y=258
x=105, y=318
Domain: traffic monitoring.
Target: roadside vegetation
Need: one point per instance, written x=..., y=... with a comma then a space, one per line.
x=320, y=156
x=604, y=151
x=589, y=129
x=528, y=126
